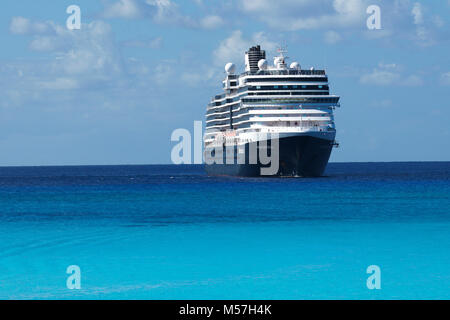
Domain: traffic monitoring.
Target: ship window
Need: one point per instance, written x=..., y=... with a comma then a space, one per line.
x=295, y=87
x=320, y=87
x=304, y=87
x=275, y=87
x=285, y=87
x=258, y=87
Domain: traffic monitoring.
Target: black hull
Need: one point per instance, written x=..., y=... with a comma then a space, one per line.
x=305, y=156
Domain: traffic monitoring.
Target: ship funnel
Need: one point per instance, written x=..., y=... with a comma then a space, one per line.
x=252, y=57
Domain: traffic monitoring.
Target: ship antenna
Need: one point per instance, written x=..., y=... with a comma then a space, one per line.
x=282, y=50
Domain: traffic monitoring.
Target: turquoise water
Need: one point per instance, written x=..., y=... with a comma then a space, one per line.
x=170, y=232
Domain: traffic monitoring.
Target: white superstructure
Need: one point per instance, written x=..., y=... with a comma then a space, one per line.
x=270, y=99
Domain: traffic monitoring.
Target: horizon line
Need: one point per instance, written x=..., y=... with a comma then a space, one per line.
x=171, y=164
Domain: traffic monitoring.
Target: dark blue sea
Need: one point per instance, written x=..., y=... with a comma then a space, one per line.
x=171, y=232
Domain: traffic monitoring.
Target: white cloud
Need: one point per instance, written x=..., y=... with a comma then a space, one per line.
x=390, y=74
x=292, y=15
x=211, y=22
x=232, y=48
x=417, y=13
x=332, y=37
x=136, y=67
x=445, y=79
x=159, y=11
x=391, y=66
x=201, y=76
x=167, y=12
x=59, y=84
x=163, y=72
x=154, y=43
x=401, y=19
x=90, y=51
x=384, y=103
x=44, y=43
x=128, y=9
x=81, y=59
x=21, y=25
x=438, y=22
x=412, y=81
x=380, y=78
x=424, y=31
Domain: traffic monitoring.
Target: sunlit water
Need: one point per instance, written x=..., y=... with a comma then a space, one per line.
x=171, y=232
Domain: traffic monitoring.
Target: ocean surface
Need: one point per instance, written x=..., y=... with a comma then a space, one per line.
x=171, y=232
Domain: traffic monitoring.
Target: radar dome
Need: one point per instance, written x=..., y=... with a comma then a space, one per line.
x=312, y=69
x=295, y=65
x=262, y=64
x=230, y=68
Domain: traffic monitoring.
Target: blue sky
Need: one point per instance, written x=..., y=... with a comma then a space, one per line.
x=113, y=92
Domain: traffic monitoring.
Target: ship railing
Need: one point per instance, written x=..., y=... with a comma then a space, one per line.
x=286, y=72
x=300, y=127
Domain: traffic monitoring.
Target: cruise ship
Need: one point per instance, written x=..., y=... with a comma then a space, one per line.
x=270, y=112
